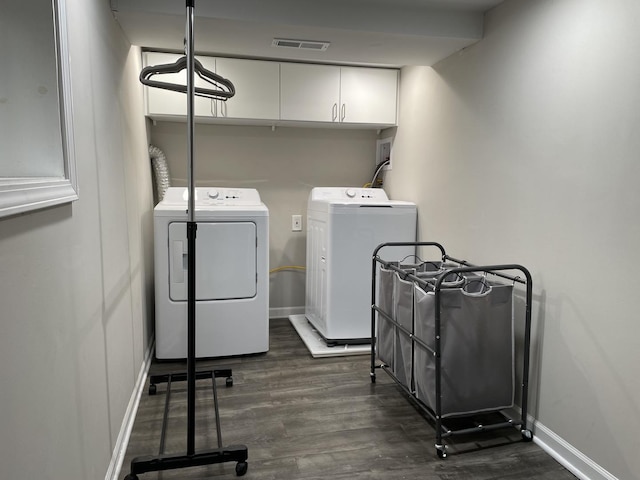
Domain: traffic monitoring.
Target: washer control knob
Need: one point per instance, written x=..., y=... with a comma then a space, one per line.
x=213, y=194
x=350, y=192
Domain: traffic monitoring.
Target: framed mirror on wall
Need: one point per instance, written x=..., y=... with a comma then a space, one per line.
x=37, y=163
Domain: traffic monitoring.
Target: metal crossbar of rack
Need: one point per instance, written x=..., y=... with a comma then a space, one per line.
x=163, y=461
x=450, y=347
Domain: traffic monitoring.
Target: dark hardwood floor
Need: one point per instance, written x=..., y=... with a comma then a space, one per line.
x=304, y=418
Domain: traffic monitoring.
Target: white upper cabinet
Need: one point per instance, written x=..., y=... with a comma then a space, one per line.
x=368, y=95
x=257, y=89
x=309, y=93
x=328, y=93
x=280, y=92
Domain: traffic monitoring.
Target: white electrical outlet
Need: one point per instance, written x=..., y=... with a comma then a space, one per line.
x=296, y=223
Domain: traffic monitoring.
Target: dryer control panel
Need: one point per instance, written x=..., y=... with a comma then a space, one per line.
x=207, y=196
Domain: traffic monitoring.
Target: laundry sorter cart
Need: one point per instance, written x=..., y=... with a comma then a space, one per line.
x=444, y=332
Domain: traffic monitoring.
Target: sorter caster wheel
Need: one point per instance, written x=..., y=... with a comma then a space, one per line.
x=241, y=468
x=152, y=391
x=527, y=436
x=229, y=383
x=131, y=476
x=441, y=451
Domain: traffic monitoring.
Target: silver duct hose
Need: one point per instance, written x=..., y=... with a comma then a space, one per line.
x=160, y=170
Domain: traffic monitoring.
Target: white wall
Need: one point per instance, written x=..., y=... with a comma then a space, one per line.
x=524, y=148
x=75, y=282
x=283, y=165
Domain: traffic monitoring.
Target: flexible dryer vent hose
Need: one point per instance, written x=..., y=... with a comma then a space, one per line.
x=160, y=170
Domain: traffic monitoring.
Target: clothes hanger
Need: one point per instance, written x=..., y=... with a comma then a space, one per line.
x=224, y=89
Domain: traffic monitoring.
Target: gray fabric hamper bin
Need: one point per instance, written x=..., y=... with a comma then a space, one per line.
x=385, y=329
x=403, y=302
x=476, y=344
x=404, y=314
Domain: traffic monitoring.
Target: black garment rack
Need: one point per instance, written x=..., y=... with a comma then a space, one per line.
x=223, y=90
x=442, y=428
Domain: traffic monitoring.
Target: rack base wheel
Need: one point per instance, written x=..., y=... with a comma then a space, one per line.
x=131, y=476
x=441, y=450
x=229, y=382
x=241, y=468
x=527, y=436
x=152, y=389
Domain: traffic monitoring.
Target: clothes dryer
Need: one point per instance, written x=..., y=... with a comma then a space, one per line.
x=344, y=226
x=232, y=283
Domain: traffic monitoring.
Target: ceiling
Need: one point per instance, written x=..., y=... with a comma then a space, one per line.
x=361, y=32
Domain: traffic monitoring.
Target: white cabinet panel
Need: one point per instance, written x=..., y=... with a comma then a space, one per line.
x=328, y=93
x=166, y=102
x=257, y=89
x=268, y=92
x=368, y=95
x=309, y=92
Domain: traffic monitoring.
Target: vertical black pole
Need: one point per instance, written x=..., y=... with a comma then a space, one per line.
x=191, y=338
x=191, y=242
x=527, y=349
x=438, y=412
x=373, y=316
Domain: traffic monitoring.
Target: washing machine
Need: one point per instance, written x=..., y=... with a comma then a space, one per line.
x=232, y=283
x=344, y=226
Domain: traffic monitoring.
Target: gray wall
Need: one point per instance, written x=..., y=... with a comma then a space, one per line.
x=524, y=148
x=283, y=165
x=76, y=281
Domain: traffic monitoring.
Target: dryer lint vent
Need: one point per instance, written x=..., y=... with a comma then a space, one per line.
x=300, y=44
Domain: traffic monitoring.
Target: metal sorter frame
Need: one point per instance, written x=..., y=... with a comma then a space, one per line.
x=436, y=284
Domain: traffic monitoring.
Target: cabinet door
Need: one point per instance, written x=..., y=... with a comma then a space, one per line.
x=309, y=92
x=368, y=95
x=161, y=102
x=257, y=89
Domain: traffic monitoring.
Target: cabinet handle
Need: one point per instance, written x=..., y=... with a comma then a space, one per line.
x=214, y=108
x=223, y=108
x=343, y=112
x=334, y=112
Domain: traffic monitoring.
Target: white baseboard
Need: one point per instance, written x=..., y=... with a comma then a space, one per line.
x=284, y=312
x=120, y=449
x=568, y=456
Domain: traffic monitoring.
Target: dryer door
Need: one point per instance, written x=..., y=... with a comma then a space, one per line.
x=225, y=260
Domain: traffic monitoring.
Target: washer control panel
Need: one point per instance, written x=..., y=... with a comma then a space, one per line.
x=349, y=194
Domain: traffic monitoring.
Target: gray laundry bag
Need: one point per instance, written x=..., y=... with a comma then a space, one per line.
x=403, y=291
x=476, y=344
x=386, y=332
x=403, y=300
x=385, y=329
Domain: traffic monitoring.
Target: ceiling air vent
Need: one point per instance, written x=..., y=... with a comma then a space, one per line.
x=300, y=44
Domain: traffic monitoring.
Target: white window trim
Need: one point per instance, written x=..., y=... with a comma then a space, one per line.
x=20, y=195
